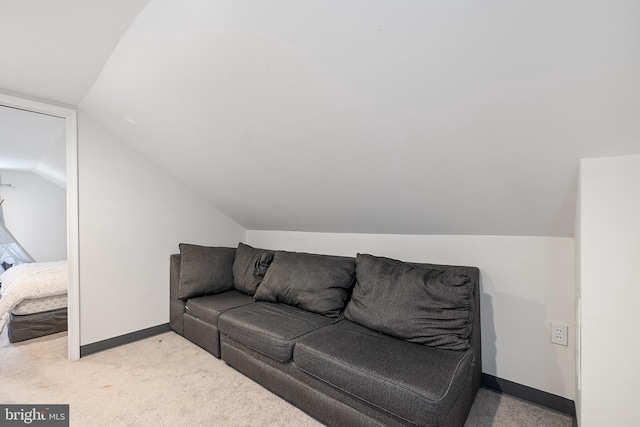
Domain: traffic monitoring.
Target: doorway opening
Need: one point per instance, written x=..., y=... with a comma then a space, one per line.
x=71, y=144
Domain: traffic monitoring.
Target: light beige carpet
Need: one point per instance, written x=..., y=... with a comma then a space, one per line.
x=168, y=381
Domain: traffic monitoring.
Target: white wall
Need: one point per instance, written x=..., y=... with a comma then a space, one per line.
x=133, y=215
x=527, y=282
x=609, y=213
x=35, y=212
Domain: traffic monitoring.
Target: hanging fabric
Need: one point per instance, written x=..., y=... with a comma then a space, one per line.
x=11, y=252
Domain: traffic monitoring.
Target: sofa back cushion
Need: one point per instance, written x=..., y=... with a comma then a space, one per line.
x=414, y=302
x=205, y=270
x=316, y=283
x=249, y=267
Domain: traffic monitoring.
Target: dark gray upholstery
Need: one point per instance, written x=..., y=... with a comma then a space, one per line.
x=176, y=305
x=413, y=302
x=316, y=283
x=386, y=372
x=209, y=307
x=201, y=317
x=28, y=326
x=269, y=328
x=360, y=379
x=249, y=267
x=202, y=334
x=205, y=270
x=324, y=403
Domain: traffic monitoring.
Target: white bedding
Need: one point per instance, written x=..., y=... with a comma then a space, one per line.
x=30, y=281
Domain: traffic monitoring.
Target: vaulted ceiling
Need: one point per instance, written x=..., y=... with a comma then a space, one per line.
x=54, y=50
x=361, y=115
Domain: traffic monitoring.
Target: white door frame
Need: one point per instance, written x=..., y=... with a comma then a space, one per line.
x=70, y=115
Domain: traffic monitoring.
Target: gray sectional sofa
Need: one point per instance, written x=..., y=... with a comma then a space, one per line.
x=361, y=341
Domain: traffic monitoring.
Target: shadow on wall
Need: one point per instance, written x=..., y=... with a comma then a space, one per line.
x=489, y=350
x=515, y=339
x=489, y=338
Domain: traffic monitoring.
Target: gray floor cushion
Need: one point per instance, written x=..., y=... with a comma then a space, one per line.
x=270, y=328
x=385, y=372
x=208, y=308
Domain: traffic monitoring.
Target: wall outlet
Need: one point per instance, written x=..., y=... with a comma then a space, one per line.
x=559, y=334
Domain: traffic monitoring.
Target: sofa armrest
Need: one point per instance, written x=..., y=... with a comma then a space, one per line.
x=176, y=305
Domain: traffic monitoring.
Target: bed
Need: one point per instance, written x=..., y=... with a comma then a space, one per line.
x=33, y=301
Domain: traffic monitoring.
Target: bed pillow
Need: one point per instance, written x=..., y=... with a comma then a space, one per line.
x=316, y=283
x=205, y=270
x=412, y=302
x=249, y=267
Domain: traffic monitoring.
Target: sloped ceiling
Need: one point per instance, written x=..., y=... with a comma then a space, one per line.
x=54, y=50
x=379, y=116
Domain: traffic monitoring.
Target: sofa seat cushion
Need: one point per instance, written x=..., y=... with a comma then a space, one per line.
x=209, y=307
x=270, y=329
x=414, y=382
